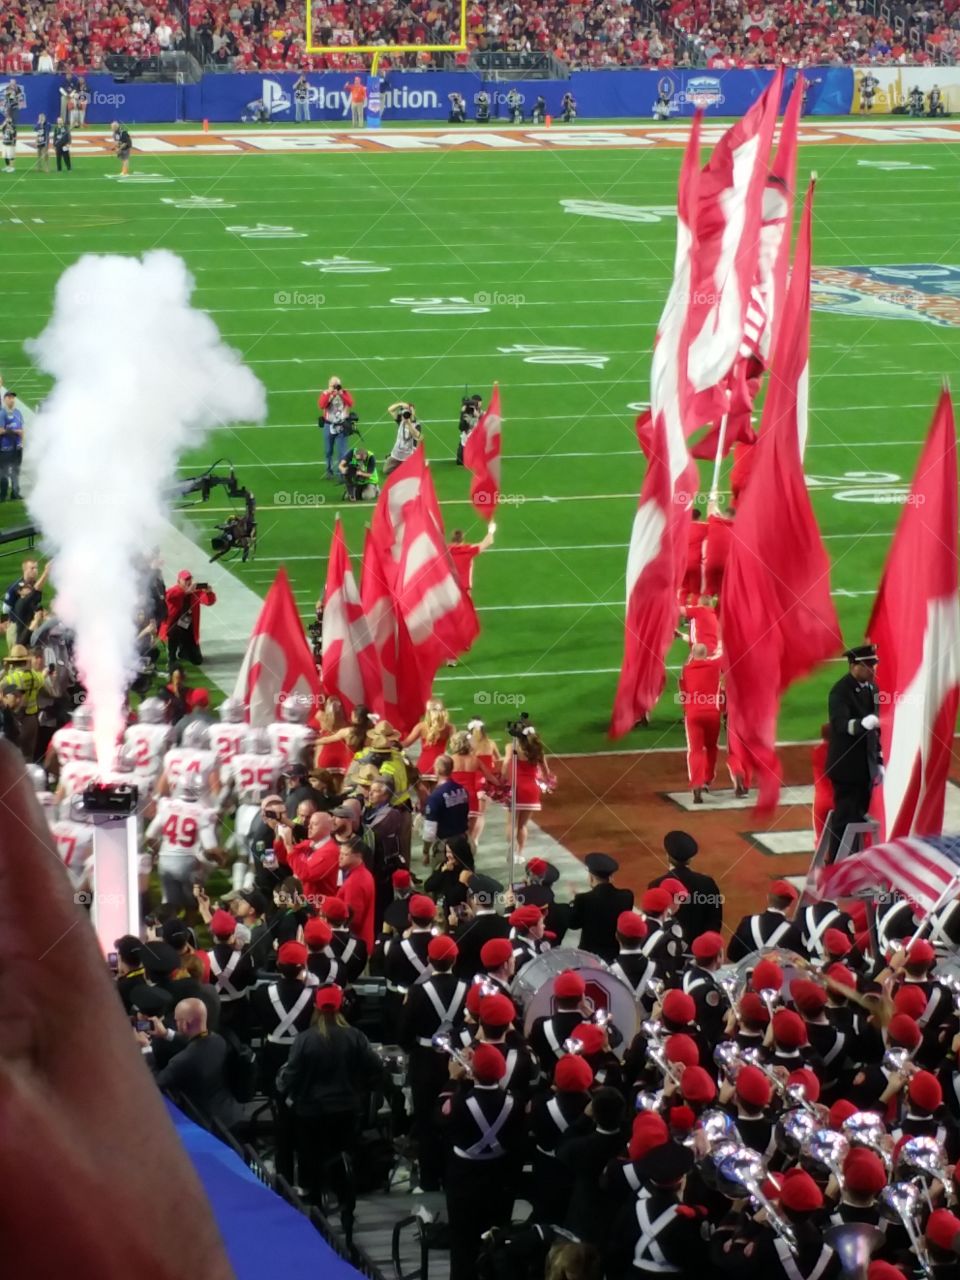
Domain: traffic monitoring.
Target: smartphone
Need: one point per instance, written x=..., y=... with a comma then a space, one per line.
x=113, y=961
x=142, y=1024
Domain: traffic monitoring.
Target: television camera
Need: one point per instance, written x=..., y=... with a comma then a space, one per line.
x=237, y=535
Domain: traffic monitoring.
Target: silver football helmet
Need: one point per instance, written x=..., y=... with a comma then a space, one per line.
x=82, y=717
x=188, y=787
x=256, y=743
x=152, y=711
x=232, y=711
x=196, y=736
x=294, y=710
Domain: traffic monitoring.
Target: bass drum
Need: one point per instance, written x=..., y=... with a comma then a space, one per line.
x=533, y=988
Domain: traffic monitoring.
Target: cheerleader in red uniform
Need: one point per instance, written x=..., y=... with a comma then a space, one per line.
x=471, y=774
x=433, y=733
x=488, y=757
x=531, y=769
x=339, y=741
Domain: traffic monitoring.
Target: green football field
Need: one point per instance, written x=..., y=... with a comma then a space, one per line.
x=483, y=275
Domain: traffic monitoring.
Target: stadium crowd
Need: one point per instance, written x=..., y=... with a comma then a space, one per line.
x=53, y=35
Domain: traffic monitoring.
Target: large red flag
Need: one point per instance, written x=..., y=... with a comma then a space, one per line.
x=915, y=625
x=729, y=216
x=278, y=662
x=658, y=542
x=380, y=613
x=481, y=454
x=776, y=614
x=400, y=490
x=351, y=669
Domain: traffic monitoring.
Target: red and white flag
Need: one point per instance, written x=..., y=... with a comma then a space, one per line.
x=400, y=491
x=278, y=663
x=728, y=222
x=776, y=613
x=351, y=669
x=915, y=625
x=658, y=543
x=380, y=613
x=481, y=454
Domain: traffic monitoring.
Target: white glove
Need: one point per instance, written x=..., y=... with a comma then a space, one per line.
x=870, y=722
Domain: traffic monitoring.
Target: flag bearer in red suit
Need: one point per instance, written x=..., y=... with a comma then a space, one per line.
x=738, y=765
x=716, y=548
x=744, y=456
x=693, y=575
x=704, y=624
x=181, y=627
x=701, y=697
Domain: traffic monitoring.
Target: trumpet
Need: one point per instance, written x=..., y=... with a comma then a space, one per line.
x=771, y=998
x=656, y=1051
x=866, y=1129
x=728, y=1057
x=923, y=1157
x=793, y=1129
x=442, y=1041
x=828, y=1149
x=898, y=1062
x=752, y=1057
x=900, y=1202
x=742, y=1171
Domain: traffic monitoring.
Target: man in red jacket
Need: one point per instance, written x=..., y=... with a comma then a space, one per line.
x=315, y=860
x=701, y=698
x=357, y=890
x=181, y=627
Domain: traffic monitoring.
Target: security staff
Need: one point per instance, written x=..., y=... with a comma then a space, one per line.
x=854, y=762
x=595, y=913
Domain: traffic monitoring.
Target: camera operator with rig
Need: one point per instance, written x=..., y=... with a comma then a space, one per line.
x=458, y=108
x=335, y=405
x=409, y=435
x=471, y=407
x=361, y=478
x=181, y=627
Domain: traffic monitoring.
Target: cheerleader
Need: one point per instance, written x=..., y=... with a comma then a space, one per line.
x=488, y=757
x=339, y=741
x=531, y=770
x=471, y=774
x=433, y=733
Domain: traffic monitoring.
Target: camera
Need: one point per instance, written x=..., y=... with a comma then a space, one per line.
x=349, y=425
x=406, y=413
x=516, y=728
x=201, y=586
x=336, y=386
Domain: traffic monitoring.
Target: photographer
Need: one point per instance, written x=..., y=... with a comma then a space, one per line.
x=482, y=101
x=935, y=102
x=361, y=478
x=539, y=113
x=471, y=408
x=334, y=404
x=568, y=108
x=409, y=435
x=181, y=627
x=515, y=106
x=458, y=108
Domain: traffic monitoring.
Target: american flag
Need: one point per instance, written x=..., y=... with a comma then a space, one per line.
x=919, y=870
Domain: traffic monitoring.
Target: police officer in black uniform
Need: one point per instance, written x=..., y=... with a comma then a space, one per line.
x=702, y=912
x=854, y=762
x=595, y=913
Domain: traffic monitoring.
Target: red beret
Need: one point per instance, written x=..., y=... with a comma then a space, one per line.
x=222, y=924
x=630, y=925
x=655, y=902
x=903, y=1031
x=681, y=1048
x=843, y=976
x=809, y=998
x=568, y=985
x=676, y=888
x=537, y=866
x=799, y=1192
x=880, y=1270
x=681, y=1119
x=197, y=699
x=678, y=1007
x=401, y=879
x=572, y=1074
x=472, y=1002
x=421, y=907
x=782, y=889
x=808, y=1080
x=924, y=1091
x=495, y=952
x=921, y=953
x=497, y=1011
x=752, y=1087
x=525, y=917
x=488, y=1065
x=911, y=999
x=589, y=1036
x=292, y=953
x=317, y=933
x=649, y=1131
x=753, y=1010
x=697, y=1086
x=788, y=1029
x=942, y=1228
x=335, y=909
x=836, y=943
x=841, y=1110
x=329, y=997
x=864, y=1172
x=707, y=945
x=767, y=976
x=442, y=947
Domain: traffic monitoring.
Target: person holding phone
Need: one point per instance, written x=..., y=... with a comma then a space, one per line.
x=181, y=627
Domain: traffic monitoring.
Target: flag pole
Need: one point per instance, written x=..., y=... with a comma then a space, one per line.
x=718, y=460
x=942, y=901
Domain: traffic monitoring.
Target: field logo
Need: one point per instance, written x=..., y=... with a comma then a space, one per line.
x=924, y=291
x=618, y=212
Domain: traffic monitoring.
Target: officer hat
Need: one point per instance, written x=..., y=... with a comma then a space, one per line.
x=601, y=865
x=680, y=846
x=665, y=1165
x=862, y=653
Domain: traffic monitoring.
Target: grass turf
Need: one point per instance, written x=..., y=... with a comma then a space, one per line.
x=490, y=228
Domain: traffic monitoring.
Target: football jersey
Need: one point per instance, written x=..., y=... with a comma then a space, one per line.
x=75, y=846
x=76, y=775
x=226, y=740
x=148, y=743
x=254, y=776
x=290, y=741
x=201, y=764
x=72, y=744
x=185, y=828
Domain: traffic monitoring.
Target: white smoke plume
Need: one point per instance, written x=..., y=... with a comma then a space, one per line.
x=140, y=377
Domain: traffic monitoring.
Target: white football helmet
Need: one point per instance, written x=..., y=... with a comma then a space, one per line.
x=38, y=777
x=233, y=711
x=126, y=760
x=256, y=743
x=152, y=711
x=188, y=787
x=82, y=717
x=294, y=710
x=196, y=736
